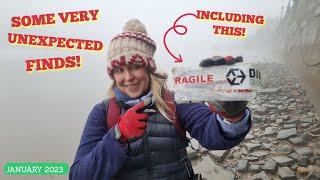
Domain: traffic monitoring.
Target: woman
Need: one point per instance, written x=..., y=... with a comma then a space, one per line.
x=148, y=145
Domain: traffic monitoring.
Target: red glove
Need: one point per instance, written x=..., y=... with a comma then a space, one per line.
x=133, y=124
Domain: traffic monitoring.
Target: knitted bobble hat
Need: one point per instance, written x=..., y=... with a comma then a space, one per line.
x=132, y=46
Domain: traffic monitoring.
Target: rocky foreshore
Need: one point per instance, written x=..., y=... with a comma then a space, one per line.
x=284, y=142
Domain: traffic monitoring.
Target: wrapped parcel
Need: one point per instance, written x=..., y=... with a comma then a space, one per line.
x=238, y=82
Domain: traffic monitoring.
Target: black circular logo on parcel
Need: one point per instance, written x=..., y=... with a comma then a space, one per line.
x=235, y=76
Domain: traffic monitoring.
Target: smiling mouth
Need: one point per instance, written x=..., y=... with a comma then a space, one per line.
x=131, y=85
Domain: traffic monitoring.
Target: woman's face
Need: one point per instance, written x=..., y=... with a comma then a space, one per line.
x=132, y=80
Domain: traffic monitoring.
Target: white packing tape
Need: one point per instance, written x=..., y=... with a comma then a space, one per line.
x=238, y=82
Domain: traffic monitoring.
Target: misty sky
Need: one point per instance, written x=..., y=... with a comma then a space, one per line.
x=158, y=16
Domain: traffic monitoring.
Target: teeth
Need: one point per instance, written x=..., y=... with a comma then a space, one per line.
x=131, y=85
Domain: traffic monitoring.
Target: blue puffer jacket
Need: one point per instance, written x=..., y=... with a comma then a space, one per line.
x=100, y=156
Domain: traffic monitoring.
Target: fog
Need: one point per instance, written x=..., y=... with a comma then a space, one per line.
x=43, y=113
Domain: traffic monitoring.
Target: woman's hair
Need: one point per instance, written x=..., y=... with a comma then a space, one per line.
x=158, y=87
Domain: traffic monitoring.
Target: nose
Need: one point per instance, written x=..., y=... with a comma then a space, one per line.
x=128, y=75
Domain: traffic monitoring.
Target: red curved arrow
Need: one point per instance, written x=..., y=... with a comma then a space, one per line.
x=176, y=21
x=177, y=59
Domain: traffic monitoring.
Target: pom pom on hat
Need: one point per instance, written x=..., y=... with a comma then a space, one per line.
x=132, y=46
x=134, y=25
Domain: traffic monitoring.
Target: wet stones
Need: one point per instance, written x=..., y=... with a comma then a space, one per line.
x=286, y=133
x=270, y=166
x=297, y=141
x=303, y=161
x=282, y=108
x=284, y=149
x=294, y=156
x=259, y=154
x=260, y=176
x=249, y=137
x=268, y=131
x=210, y=170
x=284, y=141
x=279, y=121
x=252, y=146
x=240, y=153
x=242, y=165
x=286, y=173
x=287, y=126
x=260, y=110
x=306, y=151
x=266, y=146
x=191, y=153
x=251, y=158
x=283, y=160
x=315, y=160
x=258, y=118
x=306, y=120
x=313, y=176
x=219, y=155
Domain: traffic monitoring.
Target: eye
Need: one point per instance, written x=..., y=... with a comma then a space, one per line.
x=135, y=66
x=117, y=70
